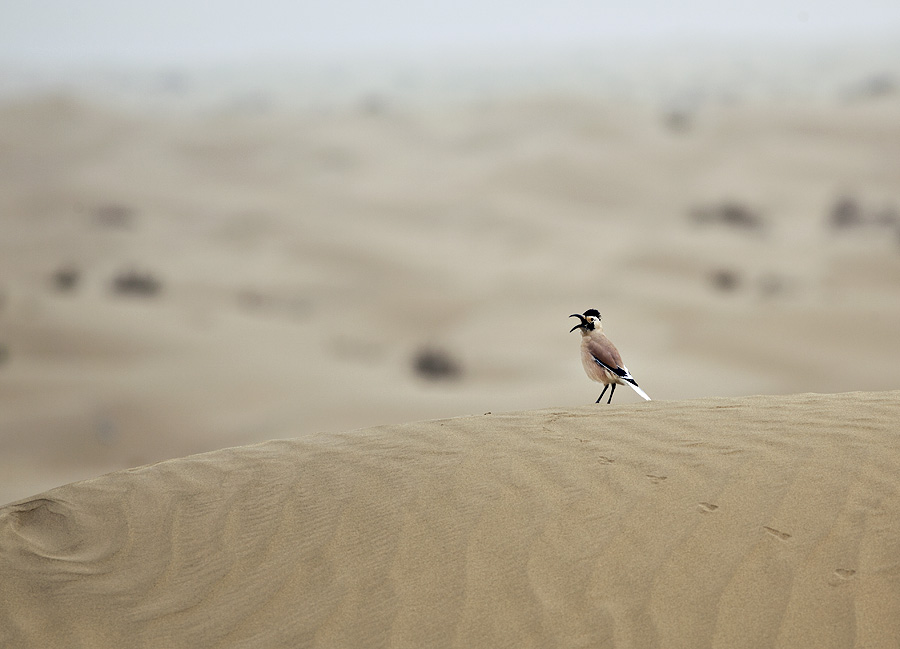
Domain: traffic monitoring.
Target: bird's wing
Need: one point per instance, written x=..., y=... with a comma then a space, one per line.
x=605, y=354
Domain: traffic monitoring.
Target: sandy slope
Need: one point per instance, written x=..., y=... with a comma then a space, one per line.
x=747, y=522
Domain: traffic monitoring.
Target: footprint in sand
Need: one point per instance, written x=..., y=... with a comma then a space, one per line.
x=707, y=507
x=841, y=576
x=656, y=479
x=778, y=534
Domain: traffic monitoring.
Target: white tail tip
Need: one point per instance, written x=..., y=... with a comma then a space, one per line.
x=639, y=391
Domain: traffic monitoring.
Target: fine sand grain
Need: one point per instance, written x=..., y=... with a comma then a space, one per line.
x=732, y=522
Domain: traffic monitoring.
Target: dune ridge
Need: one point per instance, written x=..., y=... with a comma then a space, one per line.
x=765, y=521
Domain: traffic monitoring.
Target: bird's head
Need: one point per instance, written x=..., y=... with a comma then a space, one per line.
x=589, y=321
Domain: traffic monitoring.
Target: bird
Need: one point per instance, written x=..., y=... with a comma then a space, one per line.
x=601, y=359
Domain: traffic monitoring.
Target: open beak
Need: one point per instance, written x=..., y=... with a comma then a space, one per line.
x=580, y=324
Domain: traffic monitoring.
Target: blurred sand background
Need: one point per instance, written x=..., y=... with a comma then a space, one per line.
x=194, y=260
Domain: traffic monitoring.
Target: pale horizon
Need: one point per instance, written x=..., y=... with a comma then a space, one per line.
x=55, y=34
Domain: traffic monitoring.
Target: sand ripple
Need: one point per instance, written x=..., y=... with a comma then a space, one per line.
x=753, y=522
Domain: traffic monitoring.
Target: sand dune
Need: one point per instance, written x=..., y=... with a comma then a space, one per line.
x=732, y=522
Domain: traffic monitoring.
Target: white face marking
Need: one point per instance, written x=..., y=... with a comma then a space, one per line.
x=592, y=320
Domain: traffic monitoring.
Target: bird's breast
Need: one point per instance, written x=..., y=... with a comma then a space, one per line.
x=594, y=370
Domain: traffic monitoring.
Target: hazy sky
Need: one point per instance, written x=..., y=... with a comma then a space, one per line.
x=172, y=31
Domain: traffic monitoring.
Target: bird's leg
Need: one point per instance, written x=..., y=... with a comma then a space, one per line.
x=611, y=392
x=602, y=393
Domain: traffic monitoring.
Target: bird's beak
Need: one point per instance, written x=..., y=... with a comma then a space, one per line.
x=580, y=324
